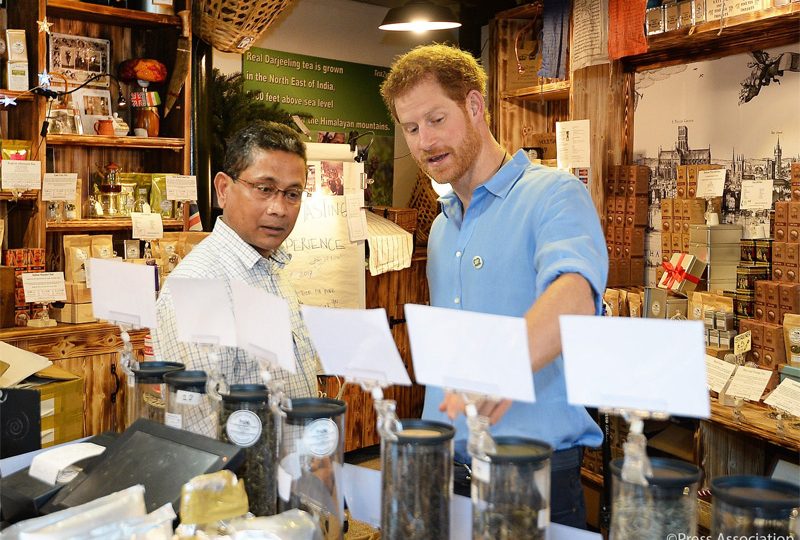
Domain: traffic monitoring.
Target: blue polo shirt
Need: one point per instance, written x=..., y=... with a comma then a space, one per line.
x=524, y=227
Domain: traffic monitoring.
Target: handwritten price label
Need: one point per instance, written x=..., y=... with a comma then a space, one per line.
x=742, y=343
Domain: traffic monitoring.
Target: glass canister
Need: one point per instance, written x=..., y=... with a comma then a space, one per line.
x=110, y=191
x=147, y=390
x=311, y=458
x=754, y=507
x=416, y=477
x=188, y=405
x=666, y=506
x=511, y=490
x=246, y=420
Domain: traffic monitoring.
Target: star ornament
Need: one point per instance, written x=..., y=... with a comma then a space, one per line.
x=8, y=101
x=44, y=26
x=44, y=79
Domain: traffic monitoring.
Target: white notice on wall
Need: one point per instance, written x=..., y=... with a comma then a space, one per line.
x=710, y=183
x=749, y=383
x=44, y=287
x=59, y=186
x=21, y=175
x=181, y=187
x=356, y=216
x=147, y=226
x=756, y=195
x=573, y=144
x=786, y=397
x=718, y=372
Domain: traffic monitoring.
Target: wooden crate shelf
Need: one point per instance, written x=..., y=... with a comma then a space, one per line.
x=72, y=9
x=767, y=28
x=102, y=224
x=30, y=195
x=166, y=143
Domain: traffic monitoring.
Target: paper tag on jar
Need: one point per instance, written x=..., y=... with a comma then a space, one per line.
x=481, y=470
x=243, y=428
x=173, y=420
x=321, y=437
x=543, y=519
x=187, y=398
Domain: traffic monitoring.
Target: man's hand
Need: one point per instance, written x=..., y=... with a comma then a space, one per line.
x=453, y=404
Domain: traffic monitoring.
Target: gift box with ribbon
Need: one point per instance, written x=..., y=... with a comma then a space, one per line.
x=682, y=273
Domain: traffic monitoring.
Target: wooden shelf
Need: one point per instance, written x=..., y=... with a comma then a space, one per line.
x=591, y=476
x=101, y=224
x=756, y=424
x=30, y=195
x=71, y=9
x=165, y=143
x=767, y=28
x=545, y=92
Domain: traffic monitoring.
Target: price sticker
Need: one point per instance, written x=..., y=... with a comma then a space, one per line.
x=742, y=343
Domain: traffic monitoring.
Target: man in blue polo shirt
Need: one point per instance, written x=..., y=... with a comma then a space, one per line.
x=513, y=238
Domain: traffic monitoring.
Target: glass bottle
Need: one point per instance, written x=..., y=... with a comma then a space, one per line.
x=141, y=204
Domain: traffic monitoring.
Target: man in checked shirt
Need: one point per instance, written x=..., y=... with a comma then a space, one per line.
x=260, y=191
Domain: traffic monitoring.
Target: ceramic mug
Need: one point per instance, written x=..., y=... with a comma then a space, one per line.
x=104, y=127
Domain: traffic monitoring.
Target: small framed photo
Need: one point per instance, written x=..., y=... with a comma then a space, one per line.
x=64, y=122
x=79, y=58
x=94, y=104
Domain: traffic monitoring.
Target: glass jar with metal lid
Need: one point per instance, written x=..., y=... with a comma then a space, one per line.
x=311, y=460
x=754, y=507
x=188, y=405
x=245, y=419
x=417, y=472
x=511, y=490
x=147, y=391
x=666, y=506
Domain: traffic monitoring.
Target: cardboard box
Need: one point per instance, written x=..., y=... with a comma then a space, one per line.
x=662, y=304
x=61, y=393
x=78, y=293
x=72, y=313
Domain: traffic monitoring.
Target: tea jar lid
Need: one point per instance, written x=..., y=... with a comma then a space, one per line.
x=194, y=380
x=254, y=393
x=520, y=450
x=155, y=370
x=666, y=472
x=315, y=408
x=417, y=431
x=757, y=492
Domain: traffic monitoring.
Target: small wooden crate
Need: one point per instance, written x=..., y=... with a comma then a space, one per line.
x=404, y=217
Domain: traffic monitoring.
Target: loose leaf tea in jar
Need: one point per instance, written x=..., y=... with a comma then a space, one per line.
x=416, y=473
x=246, y=420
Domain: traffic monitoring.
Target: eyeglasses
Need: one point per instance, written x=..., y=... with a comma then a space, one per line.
x=266, y=192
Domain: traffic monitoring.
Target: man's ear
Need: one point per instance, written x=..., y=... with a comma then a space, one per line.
x=222, y=183
x=475, y=104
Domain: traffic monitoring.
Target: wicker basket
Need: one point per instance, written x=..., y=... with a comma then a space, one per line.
x=235, y=26
x=425, y=200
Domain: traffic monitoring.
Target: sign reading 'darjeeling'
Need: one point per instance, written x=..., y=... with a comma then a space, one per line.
x=339, y=96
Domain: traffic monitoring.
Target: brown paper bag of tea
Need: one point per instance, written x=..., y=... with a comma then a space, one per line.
x=103, y=246
x=791, y=338
x=634, y=304
x=77, y=251
x=611, y=298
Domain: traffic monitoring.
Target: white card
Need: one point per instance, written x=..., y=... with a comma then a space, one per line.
x=355, y=343
x=59, y=186
x=124, y=292
x=356, y=216
x=263, y=327
x=742, y=342
x=573, y=144
x=147, y=226
x=46, y=465
x=648, y=364
x=749, y=383
x=21, y=174
x=203, y=311
x=181, y=187
x=756, y=195
x=718, y=372
x=469, y=351
x=710, y=183
x=786, y=397
x=44, y=287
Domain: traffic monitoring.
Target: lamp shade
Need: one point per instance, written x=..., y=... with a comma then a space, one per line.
x=419, y=16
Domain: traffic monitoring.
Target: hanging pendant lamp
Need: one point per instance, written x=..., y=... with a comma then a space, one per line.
x=419, y=16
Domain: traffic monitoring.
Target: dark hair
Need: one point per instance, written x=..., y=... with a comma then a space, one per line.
x=260, y=135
